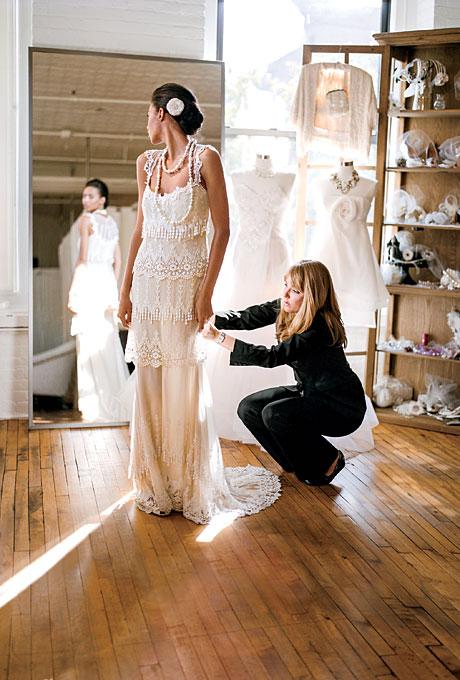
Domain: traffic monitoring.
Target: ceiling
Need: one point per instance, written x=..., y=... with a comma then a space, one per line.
x=89, y=114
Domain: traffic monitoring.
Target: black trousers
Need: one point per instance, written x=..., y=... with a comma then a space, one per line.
x=289, y=425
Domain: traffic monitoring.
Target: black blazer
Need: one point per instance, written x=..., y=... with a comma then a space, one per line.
x=319, y=367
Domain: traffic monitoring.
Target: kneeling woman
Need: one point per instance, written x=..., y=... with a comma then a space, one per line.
x=328, y=399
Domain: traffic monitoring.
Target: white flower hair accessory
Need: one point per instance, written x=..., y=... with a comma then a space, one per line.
x=175, y=106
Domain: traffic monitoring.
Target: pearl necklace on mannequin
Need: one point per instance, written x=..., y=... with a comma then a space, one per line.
x=346, y=178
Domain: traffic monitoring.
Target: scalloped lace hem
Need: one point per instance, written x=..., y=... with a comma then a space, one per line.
x=251, y=489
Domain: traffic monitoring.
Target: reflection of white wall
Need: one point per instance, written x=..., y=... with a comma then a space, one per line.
x=173, y=28
x=47, y=299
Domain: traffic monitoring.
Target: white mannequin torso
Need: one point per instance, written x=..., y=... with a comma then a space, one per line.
x=341, y=241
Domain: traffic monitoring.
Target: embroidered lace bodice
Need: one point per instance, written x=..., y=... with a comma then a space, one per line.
x=261, y=203
x=170, y=263
x=173, y=250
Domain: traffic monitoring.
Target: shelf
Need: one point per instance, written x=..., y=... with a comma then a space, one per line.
x=430, y=113
x=415, y=355
x=387, y=415
x=416, y=226
x=416, y=290
x=424, y=169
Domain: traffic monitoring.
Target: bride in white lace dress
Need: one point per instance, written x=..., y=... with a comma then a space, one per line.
x=176, y=460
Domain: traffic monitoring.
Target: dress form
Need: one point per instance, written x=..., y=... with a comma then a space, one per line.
x=341, y=241
x=262, y=198
x=365, y=187
x=253, y=273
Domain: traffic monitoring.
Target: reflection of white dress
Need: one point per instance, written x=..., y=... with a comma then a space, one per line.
x=259, y=260
x=341, y=241
x=176, y=460
x=101, y=370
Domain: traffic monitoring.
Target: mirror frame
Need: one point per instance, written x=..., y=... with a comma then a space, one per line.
x=118, y=55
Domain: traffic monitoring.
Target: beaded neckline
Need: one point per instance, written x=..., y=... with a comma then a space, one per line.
x=175, y=190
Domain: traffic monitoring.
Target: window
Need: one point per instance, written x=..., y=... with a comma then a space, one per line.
x=262, y=50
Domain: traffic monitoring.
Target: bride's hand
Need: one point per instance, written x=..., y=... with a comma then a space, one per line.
x=203, y=309
x=125, y=309
x=209, y=332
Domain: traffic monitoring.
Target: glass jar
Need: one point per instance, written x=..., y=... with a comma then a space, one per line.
x=439, y=102
x=337, y=102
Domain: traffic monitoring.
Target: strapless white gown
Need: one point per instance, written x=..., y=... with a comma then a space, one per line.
x=341, y=241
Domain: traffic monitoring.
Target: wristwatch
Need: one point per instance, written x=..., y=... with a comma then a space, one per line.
x=221, y=337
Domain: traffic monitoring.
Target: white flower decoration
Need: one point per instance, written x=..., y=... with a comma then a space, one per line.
x=175, y=106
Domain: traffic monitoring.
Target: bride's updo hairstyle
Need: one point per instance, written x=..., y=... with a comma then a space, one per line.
x=190, y=117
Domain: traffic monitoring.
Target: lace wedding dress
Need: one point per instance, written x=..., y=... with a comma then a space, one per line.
x=176, y=460
x=102, y=374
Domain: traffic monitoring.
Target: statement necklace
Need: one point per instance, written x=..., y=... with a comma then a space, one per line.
x=180, y=164
x=156, y=193
x=345, y=185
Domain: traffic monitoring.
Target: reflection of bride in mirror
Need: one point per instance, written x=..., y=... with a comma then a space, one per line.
x=93, y=300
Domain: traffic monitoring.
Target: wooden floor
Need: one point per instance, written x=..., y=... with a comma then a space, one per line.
x=356, y=580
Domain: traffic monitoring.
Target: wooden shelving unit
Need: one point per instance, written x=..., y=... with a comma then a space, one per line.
x=444, y=113
x=415, y=355
x=387, y=415
x=418, y=226
x=418, y=290
x=415, y=310
x=428, y=171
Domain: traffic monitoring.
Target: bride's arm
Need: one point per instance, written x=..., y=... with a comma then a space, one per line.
x=213, y=175
x=125, y=306
x=74, y=300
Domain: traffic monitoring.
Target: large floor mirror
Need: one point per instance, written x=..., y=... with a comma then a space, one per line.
x=88, y=120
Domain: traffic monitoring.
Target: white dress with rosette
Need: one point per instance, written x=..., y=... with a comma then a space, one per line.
x=176, y=459
x=341, y=241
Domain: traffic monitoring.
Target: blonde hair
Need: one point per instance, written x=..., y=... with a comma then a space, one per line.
x=313, y=280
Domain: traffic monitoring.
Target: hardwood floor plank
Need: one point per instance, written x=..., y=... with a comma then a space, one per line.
x=357, y=580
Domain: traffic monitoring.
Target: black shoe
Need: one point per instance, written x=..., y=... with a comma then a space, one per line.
x=327, y=479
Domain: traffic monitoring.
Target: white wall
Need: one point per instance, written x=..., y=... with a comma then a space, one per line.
x=447, y=14
x=414, y=15
x=181, y=28
x=169, y=28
